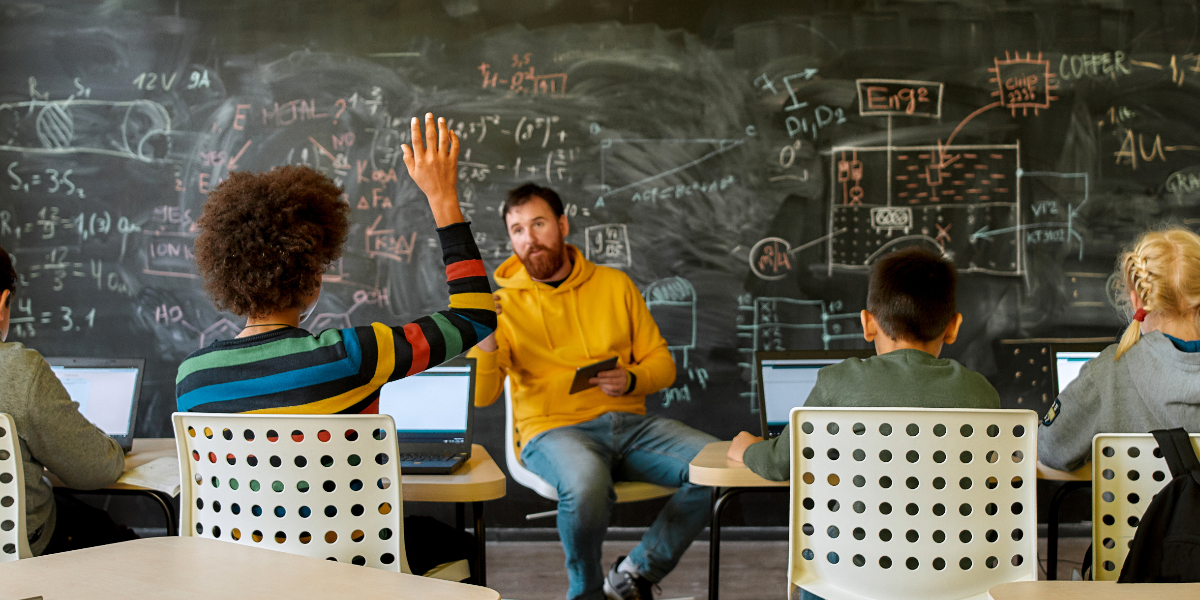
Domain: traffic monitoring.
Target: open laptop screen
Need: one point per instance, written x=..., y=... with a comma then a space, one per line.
x=786, y=384
x=105, y=394
x=1068, y=364
x=431, y=406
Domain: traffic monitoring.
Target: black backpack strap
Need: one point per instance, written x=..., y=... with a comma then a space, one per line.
x=1176, y=447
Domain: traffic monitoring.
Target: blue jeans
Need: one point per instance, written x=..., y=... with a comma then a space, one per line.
x=582, y=461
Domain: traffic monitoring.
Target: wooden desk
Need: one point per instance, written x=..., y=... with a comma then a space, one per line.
x=1093, y=590
x=143, y=451
x=479, y=480
x=1071, y=480
x=192, y=567
x=713, y=468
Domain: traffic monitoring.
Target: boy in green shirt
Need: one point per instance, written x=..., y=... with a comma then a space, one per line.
x=910, y=315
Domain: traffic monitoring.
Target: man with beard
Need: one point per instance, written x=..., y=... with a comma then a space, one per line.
x=561, y=312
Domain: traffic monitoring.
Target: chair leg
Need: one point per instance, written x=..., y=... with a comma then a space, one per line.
x=480, y=542
x=1052, y=523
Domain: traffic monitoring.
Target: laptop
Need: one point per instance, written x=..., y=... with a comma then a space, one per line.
x=1069, y=358
x=433, y=411
x=107, y=390
x=786, y=378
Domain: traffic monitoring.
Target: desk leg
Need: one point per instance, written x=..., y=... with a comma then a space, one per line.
x=168, y=507
x=481, y=543
x=714, y=538
x=460, y=516
x=1052, y=523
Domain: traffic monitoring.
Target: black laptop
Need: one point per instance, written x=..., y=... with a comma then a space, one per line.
x=785, y=378
x=433, y=411
x=107, y=390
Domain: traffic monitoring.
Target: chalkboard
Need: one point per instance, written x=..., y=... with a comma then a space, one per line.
x=743, y=162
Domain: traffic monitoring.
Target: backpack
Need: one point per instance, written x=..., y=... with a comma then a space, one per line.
x=1166, y=546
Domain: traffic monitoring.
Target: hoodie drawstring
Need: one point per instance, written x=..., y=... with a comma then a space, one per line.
x=542, y=315
x=579, y=322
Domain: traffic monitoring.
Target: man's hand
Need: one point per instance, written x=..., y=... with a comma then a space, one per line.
x=488, y=344
x=737, y=450
x=433, y=164
x=614, y=382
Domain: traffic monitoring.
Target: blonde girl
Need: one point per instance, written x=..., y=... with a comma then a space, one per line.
x=1151, y=379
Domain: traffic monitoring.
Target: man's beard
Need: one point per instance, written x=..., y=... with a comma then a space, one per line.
x=546, y=264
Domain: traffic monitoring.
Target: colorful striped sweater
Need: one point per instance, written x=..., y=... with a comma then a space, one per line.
x=341, y=370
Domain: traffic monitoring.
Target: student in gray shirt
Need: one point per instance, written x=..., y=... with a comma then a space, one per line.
x=910, y=315
x=55, y=436
x=1151, y=379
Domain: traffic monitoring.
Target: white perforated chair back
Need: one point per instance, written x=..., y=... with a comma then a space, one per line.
x=912, y=503
x=14, y=541
x=326, y=486
x=626, y=491
x=1128, y=469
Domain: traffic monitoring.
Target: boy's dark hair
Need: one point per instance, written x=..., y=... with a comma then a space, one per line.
x=265, y=238
x=911, y=294
x=522, y=194
x=8, y=275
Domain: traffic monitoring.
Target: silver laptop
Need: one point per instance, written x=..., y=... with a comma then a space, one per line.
x=785, y=379
x=1069, y=360
x=107, y=390
x=433, y=411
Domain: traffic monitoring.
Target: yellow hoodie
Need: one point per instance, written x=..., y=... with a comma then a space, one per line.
x=545, y=333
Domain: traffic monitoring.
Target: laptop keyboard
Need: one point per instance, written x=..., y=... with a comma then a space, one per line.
x=414, y=458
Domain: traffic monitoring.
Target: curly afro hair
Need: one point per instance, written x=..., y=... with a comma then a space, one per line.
x=265, y=239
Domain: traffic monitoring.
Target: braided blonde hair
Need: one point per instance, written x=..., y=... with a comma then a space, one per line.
x=1163, y=269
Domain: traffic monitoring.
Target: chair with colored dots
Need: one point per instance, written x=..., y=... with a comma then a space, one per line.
x=14, y=544
x=326, y=486
x=1128, y=469
x=894, y=504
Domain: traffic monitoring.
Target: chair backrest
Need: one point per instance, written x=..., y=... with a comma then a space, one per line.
x=1128, y=469
x=512, y=459
x=912, y=503
x=326, y=486
x=14, y=541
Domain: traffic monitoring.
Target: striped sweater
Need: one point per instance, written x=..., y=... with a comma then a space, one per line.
x=341, y=370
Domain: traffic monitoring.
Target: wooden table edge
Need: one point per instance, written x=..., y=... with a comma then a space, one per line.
x=731, y=474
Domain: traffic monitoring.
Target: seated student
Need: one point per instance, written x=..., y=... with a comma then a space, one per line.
x=55, y=436
x=265, y=240
x=1151, y=379
x=910, y=315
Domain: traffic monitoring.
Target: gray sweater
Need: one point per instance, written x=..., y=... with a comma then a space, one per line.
x=1153, y=386
x=899, y=379
x=53, y=435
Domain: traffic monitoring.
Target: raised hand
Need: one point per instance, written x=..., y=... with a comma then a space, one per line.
x=432, y=162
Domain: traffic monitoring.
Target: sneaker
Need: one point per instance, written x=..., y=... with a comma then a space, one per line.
x=622, y=585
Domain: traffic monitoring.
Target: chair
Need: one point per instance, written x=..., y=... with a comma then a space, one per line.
x=326, y=486
x=627, y=491
x=1128, y=469
x=14, y=540
x=912, y=503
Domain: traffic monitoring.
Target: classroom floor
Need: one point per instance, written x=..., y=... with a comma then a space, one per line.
x=749, y=570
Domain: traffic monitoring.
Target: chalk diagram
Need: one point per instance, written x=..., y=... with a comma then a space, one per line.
x=672, y=303
x=136, y=129
x=776, y=323
x=608, y=245
x=606, y=146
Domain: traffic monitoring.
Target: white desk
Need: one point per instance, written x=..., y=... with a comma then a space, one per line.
x=1093, y=590
x=203, y=569
x=713, y=468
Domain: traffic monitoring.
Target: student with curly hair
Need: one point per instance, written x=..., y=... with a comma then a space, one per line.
x=266, y=238
x=1151, y=379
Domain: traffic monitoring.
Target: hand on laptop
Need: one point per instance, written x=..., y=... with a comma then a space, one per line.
x=737, y=449
x=433, y=165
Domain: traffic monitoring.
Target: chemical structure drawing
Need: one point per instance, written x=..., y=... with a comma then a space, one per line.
x=790, y=324
x=341, y=320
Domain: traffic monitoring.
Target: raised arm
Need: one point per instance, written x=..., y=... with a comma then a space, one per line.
x=432, y=162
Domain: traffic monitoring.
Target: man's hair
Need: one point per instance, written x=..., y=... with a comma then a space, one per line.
x=911, y=294
x=265, y=238
x=8, y=275
x=524, y=193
